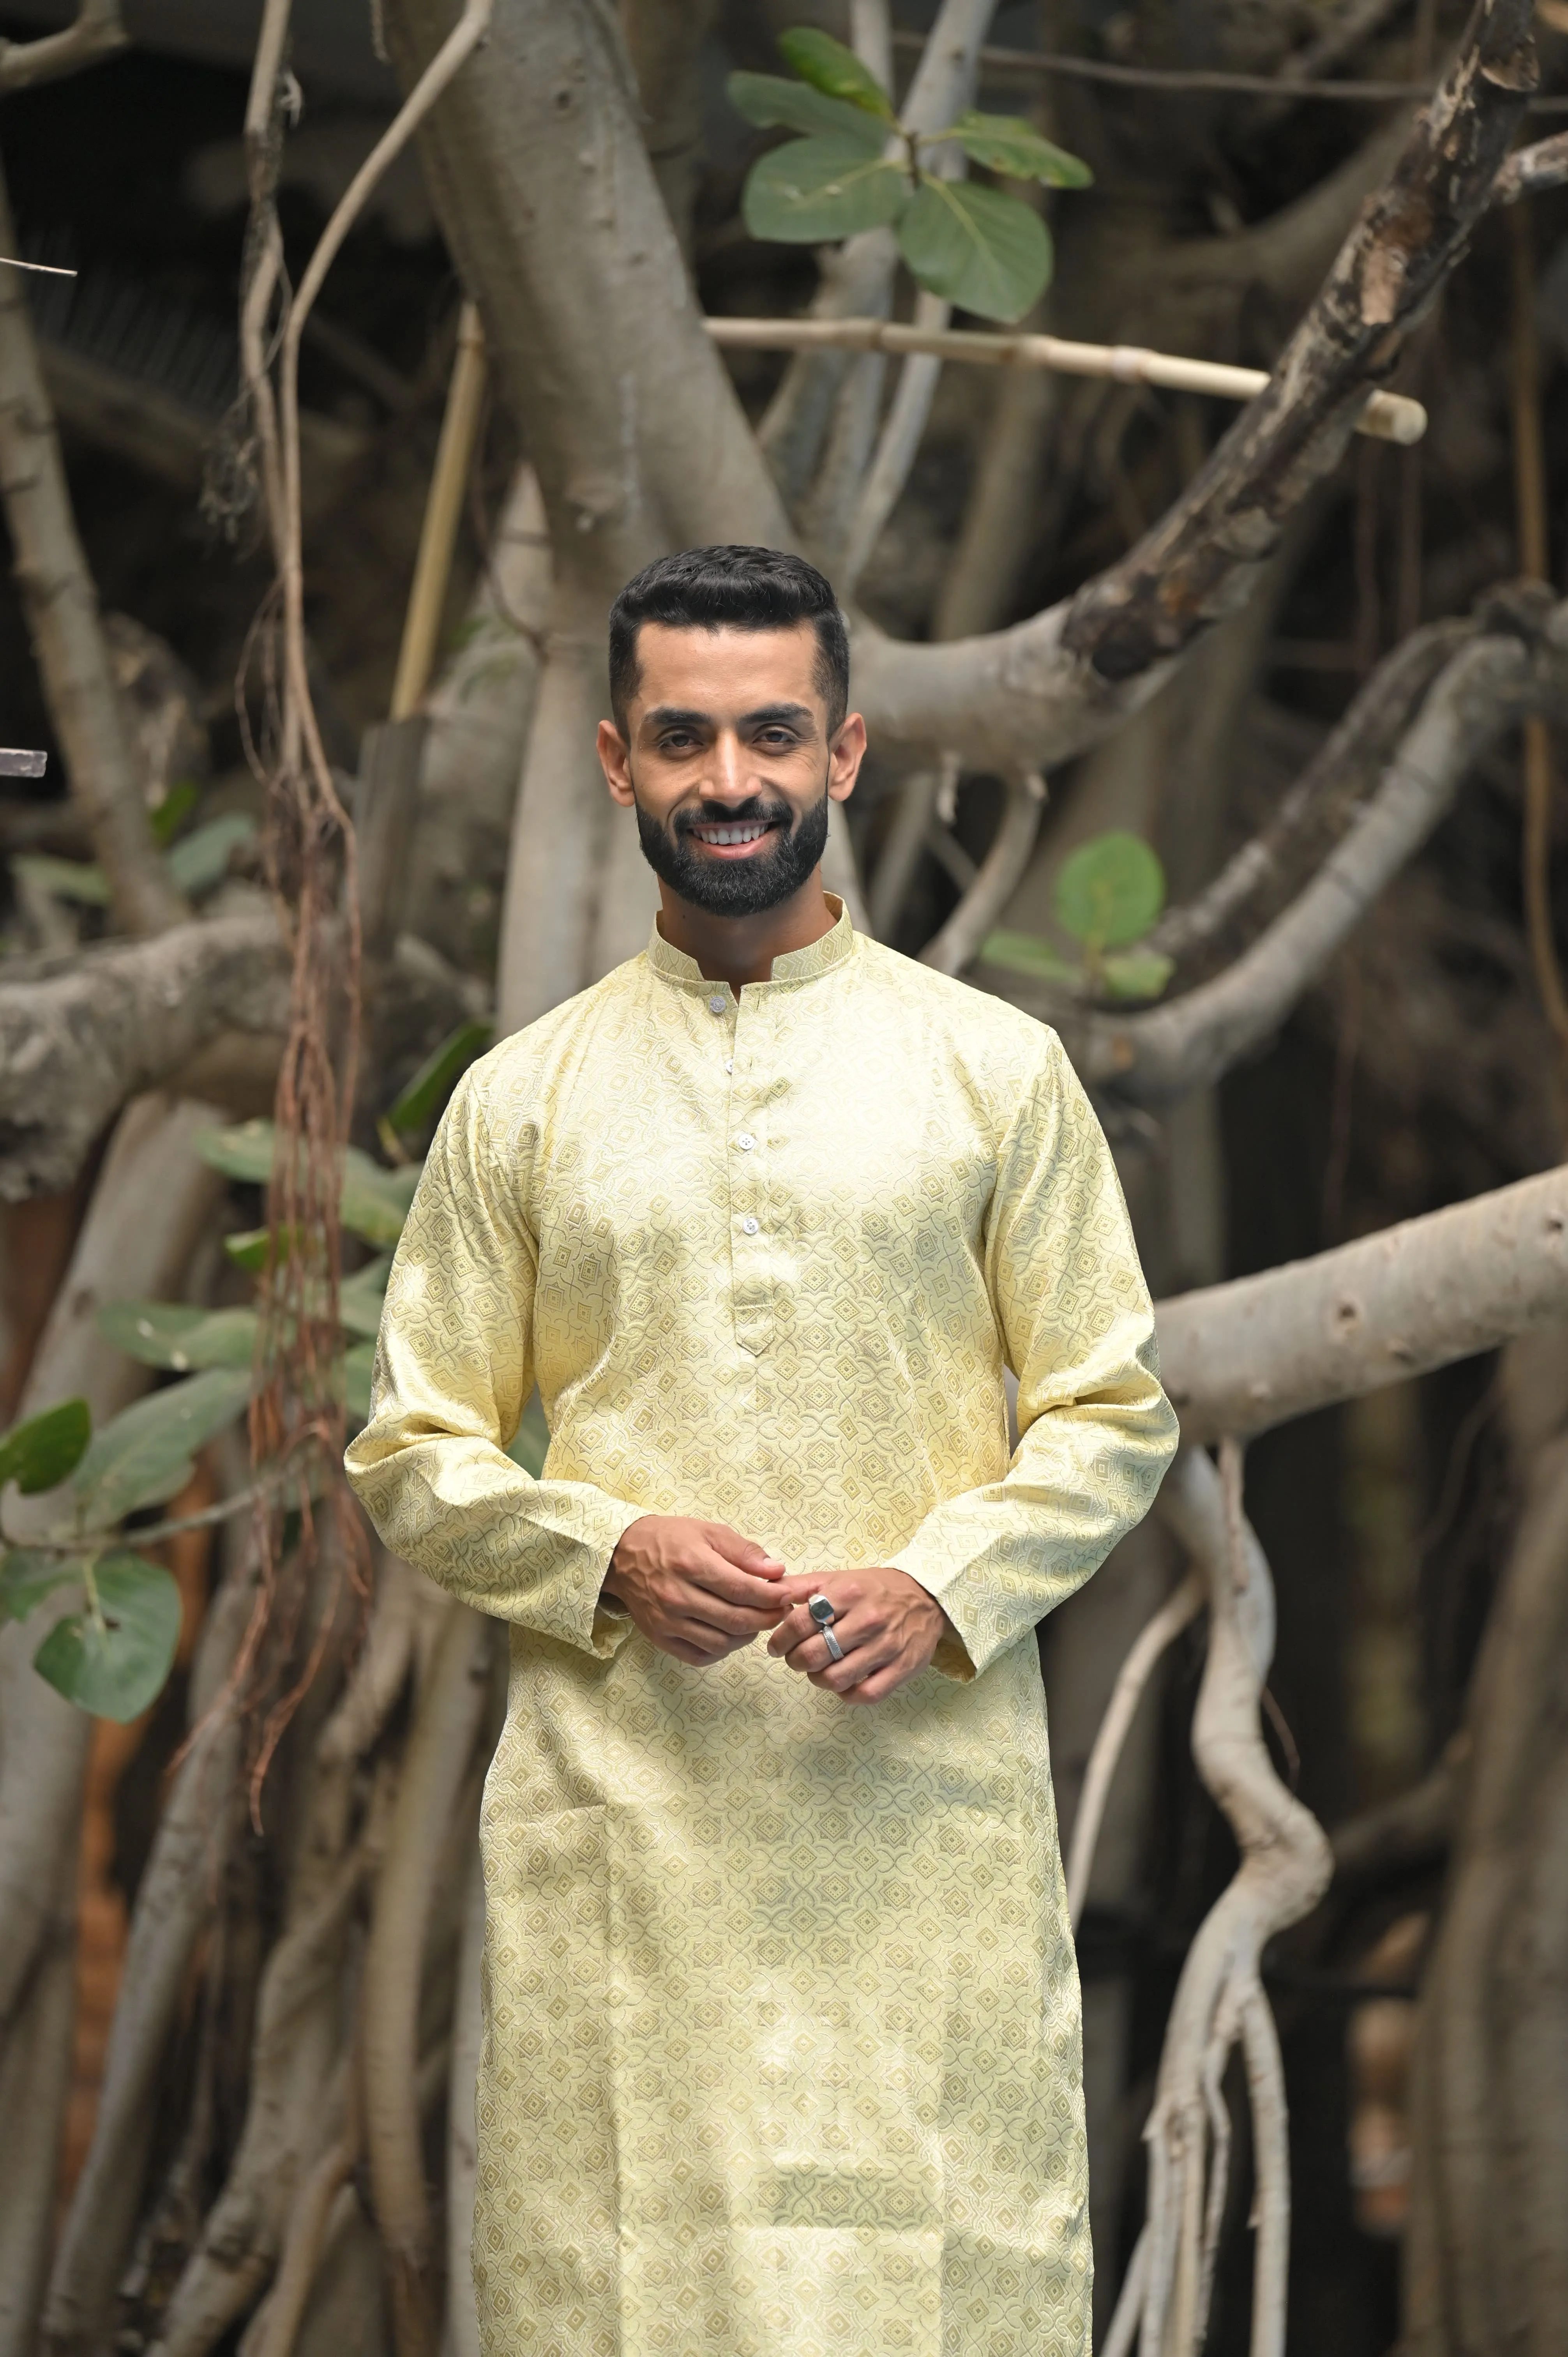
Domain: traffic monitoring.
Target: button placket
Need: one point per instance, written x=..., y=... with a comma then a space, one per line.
x=751, y=1296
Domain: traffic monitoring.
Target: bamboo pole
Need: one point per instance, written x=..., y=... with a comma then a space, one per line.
x=438, y=533
x=1389, y=417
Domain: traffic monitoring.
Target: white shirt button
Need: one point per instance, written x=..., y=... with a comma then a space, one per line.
x=718, y=1003
x=745, y=1141
x=750, y=1226
x=729, y=1064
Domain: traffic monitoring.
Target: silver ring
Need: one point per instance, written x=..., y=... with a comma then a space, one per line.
x=822, y=1611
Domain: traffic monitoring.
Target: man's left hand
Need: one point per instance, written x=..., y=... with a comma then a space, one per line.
x=887, y=1624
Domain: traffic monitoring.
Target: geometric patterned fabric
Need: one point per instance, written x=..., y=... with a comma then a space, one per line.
x=781, y=2050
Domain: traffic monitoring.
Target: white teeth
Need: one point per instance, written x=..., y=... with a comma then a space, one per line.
x=748, y=833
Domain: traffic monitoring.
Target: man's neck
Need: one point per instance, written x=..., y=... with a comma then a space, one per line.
x=738, y=950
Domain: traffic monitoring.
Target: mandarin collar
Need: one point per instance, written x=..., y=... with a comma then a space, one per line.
x=835, y=948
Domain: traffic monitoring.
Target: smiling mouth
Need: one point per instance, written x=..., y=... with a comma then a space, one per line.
x=742, y=831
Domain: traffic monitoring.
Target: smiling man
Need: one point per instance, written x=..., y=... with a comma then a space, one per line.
x=782, y=2030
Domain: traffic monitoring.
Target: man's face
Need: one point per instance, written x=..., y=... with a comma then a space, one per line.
x=727, y=761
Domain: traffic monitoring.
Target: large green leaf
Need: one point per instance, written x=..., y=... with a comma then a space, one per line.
x=360, y=1297
x=828, y=66
x=200, y=859
x=167, y=818
x=1006, y=143
x=531, y=1441
x=1025, y=953
x=375, y=1201
x=359, y=1366
x=147, y=1453
x=37, y=1454
x=984, y=251
x=1109, y=890
x=1136, y=973
x=445, y=1064
x=82, y=881
x=168, y=1334
x=245, y=1152
x=28, y=1575
x=812, y=190
x=773, y=103
x=114, y=1662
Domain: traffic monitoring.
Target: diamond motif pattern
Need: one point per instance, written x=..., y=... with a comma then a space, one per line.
x=783, y=2048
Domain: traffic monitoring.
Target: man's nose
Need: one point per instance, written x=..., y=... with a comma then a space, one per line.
x=730, y=776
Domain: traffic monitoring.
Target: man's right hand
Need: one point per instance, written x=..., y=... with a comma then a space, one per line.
x=697, y=1590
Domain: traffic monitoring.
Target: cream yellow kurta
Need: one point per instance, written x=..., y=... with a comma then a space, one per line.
x=781, y=2049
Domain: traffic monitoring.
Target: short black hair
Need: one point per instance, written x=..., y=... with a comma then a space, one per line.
x=737, y=588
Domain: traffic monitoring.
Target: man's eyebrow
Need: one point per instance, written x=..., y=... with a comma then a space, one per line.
x=666, y=716
x=769, y=716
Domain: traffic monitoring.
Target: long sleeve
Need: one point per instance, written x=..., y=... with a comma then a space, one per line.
x=1096, y=1430
x=453, y=1370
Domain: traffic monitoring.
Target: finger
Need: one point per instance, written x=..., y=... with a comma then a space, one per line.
x=744, y=1553
x=885, y=1682
x=699, y=1604
x=710, y=1642
x=790, y=1632
x=842, y=1677
x=715, y=1575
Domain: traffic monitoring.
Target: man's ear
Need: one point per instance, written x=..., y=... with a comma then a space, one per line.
x=846, y=754
x=615, y=759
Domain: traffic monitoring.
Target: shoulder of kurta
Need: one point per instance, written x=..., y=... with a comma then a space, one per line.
x=520, y=1070
x=1004, y=1051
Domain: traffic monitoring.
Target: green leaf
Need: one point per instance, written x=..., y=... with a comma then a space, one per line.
x=169, y=815
x=986, y=252
x=247, y=1248
x=82, y=881
x=359, y=1366
x=41, y=1452
x=116, y=1665
x=168, y=1334
x=27, y=1576
x=1111, y=891
x=1136, y=973
x=375, y=1201
x=243, y=1152
x=200, y=859
x=361, y=1297
x=812, y=190
x=771, y=102
x=147, y=1453
x=436, y=1075
x=531, y=1441
x=1026, y=953
x=1006, y=143
x=828, y=66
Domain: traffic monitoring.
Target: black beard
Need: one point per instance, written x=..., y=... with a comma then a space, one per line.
x=735, y=887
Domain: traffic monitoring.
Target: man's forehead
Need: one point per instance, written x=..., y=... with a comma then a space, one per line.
x=727, y=668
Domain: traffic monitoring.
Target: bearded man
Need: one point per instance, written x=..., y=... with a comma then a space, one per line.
x=781, y=2049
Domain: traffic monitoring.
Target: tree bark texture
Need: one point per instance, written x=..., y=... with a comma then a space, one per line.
x=81, y=1038
x=61, y=606
x=153, y=1199
x=1485, y=2255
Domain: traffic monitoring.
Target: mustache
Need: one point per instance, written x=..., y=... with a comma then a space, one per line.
x=770, y=809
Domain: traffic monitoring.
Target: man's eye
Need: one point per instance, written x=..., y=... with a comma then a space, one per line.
x=777, y=740
x=677, y=741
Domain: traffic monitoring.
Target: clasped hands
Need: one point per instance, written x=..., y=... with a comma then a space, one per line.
x=699, y=1591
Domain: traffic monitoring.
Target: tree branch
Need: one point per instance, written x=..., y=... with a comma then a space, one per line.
x=1240, y=1357
x=97, y=33
x=1532, y=170
x=1153, y=1058
x=1043, y=691
x=61, y=606
x=75, y=1043
x=1263, y=876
